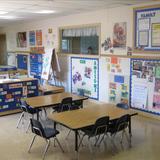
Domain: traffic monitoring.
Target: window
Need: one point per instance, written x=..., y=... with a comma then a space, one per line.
x=82, y=40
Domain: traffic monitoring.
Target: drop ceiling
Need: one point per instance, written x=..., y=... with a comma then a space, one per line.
x=23, y=10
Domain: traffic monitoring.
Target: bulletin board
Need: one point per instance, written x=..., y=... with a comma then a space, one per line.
x=85, y=76
x=119, y=80
x=145, y=85
x=147, y=29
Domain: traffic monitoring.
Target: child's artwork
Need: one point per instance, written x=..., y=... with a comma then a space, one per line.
x=84, y=76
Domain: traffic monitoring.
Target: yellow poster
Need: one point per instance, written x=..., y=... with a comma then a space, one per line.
x=155, y=35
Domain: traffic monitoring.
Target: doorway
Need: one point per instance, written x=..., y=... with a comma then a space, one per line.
x=3, y=50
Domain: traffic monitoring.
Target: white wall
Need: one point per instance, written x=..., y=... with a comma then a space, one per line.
x=106, y=18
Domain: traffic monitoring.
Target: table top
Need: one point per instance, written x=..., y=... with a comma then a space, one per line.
x=80, y=118
x=50, y=88
x=50, y=100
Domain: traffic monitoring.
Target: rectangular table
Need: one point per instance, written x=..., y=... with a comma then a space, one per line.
x=78, y=119
x=50, y=88
x=51, y=100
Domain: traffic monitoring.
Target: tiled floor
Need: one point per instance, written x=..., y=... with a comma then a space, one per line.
x=14, y=143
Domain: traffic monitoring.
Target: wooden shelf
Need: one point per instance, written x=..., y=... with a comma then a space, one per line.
x=10, y=112
x=133, y=56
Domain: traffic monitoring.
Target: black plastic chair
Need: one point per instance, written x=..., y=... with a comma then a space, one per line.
x=122, y=105
x=45, y=133
x=119, y=125
x=65, y=105
x=27, y=109
x=99, y=128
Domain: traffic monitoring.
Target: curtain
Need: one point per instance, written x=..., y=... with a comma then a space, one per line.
x=79, y=32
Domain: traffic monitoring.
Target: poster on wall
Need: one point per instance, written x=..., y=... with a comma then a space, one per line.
x=147, y=29
x=84, y=76
x=21, y=39
x=145, y=85
x=32, y=38
x=119, y=35
x=49, y=38
x=39, y=37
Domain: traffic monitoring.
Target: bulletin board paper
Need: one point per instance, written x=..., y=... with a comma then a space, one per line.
x=147, y=29
x=84, y=76
x=145, y=85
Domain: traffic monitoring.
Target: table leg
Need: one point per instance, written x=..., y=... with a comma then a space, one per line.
x=130, y=132
x=37, y=115
x=76, y=144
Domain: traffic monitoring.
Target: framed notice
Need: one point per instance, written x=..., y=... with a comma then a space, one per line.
x=147, y=29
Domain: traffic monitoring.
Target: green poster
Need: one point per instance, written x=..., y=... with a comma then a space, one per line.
x=157, y=75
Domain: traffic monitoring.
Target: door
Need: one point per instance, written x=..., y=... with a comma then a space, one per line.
x=3, y=50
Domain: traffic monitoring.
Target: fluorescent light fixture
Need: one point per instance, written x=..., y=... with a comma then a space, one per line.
x=3, y=12
x=45, y=11
x=8, y=17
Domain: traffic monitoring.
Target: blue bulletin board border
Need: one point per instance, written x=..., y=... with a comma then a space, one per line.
x=131, y=69
x=84, y=58
x=136, y=28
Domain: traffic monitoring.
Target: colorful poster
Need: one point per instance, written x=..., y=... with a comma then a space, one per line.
x=157, y=72
x=84, y=76
x=119, y=35
x=39, y=37
x=145, y=85
x=22, y=39
x=32, y=38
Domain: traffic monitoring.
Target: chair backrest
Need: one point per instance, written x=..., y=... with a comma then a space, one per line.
x=122, y=105
x=101, y=125
x=37, y=128
x=66, y=104
x=122, y=122
x=23, y=105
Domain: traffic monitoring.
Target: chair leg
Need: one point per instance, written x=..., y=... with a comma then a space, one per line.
x=46, y=148
x=29, y=124
x=20, y=118
x=59, y=144
x=68, y=134
x=81, y=141
x=31, y=143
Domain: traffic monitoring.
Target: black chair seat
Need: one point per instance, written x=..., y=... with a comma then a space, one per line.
x=50, y=132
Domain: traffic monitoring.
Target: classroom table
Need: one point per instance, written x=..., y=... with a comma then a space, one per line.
x=51, y=100
x=78, y=119
x=44, y=89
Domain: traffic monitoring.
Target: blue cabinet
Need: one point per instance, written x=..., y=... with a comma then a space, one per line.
x=12, y=92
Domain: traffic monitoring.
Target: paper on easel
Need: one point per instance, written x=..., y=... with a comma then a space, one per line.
x=47, y=58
